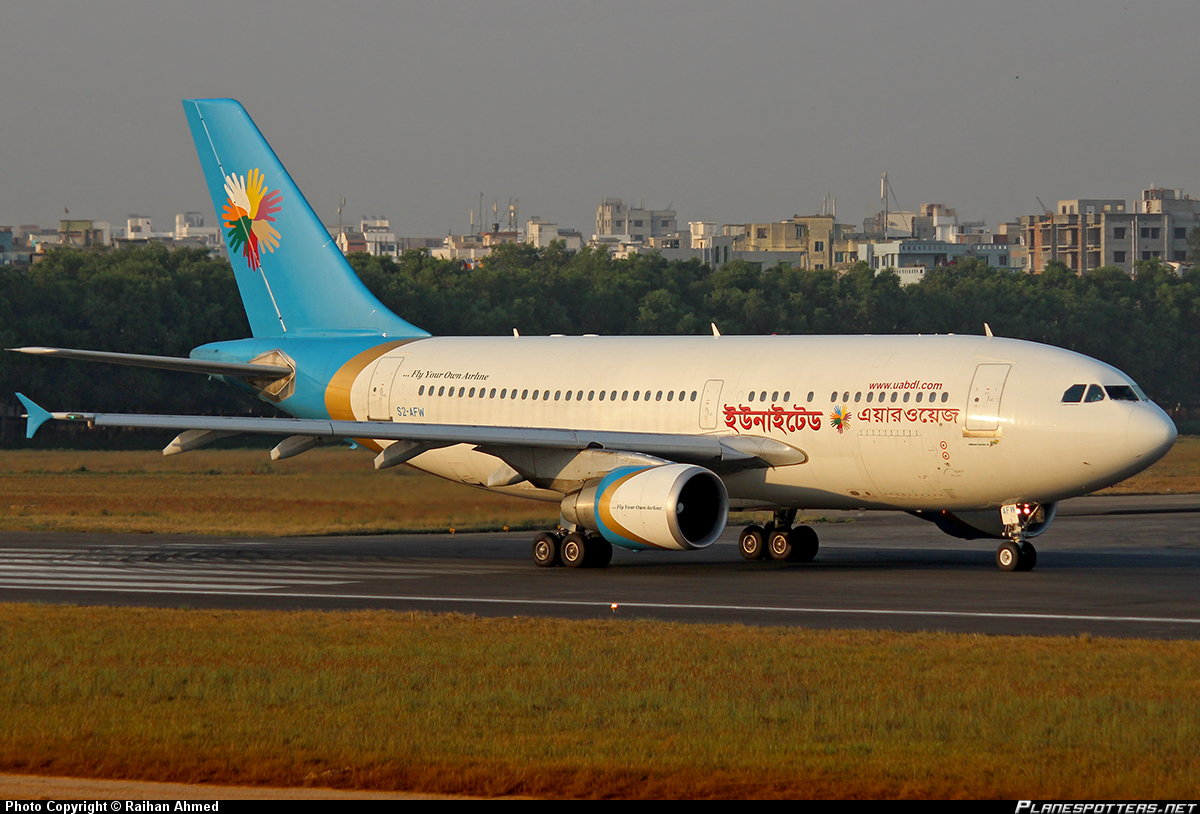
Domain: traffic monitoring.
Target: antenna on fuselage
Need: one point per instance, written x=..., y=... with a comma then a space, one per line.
x=714, y=327
x=516, y=332
x=987, y=330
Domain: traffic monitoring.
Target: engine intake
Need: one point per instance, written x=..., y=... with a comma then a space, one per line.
x=673, y=506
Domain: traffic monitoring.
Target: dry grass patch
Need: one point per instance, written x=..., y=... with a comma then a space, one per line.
x=591, y=709
x=325, y=491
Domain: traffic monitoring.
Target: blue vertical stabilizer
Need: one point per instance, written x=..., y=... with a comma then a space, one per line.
x=292, y=277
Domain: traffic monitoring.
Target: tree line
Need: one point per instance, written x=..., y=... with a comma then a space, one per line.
x=153, y=300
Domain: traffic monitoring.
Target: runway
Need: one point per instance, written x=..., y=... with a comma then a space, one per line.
x=1108, y=566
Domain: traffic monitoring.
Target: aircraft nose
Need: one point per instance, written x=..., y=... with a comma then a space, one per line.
x=1150, y=433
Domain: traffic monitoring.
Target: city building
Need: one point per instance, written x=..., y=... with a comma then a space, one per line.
x=633, y=225
x=1088, y=233
x=542, y=233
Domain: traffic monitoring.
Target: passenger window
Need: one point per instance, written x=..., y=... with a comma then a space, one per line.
x=693, y=395
x=657, y=397
x=493, y=394
x=906, y=395
x=472, y=393
x=592, y=395
x=636, y=394
x=944, y=397
x=421, y=390
x=786, y=396
x=810, y=395
x=1121, y=392
x=602, y=395
x=1094, y=393
x=536, y=393
x=545, y=395
x=558, y=393
x=670, y=395
x=846, y=396
x=579, y=396
x=762, y=396
x=568, y=395
x=647, y=397
x=833, y=396
x=775, y=397
x=525, y=393
x=751, y=396
x=1074, y=394
x=870, y=396
x=894, y=394
x=441, y=390
x=624, y=395
x=858, y=397
x=461, y=390
x=919, y=397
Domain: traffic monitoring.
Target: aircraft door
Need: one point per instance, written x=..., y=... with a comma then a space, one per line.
x=983, y=403
x=710, y=404
x=379, y=396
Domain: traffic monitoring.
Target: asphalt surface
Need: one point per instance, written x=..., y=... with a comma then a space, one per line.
x=1108, y=566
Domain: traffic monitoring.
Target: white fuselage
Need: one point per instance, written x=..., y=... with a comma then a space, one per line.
x=886, y=422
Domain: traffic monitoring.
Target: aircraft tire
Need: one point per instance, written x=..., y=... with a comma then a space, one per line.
x=805, y=544
x=780, y=546
x=546, y=548
x=752, y=543
x=1028, y=558
x=599, y=552
x=1008, y=556
x=574, y=550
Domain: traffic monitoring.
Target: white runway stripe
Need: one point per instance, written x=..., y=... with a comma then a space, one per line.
x=607, y=606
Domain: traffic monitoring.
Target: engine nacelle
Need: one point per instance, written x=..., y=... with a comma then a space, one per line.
x=673, y=506
x=974, y=525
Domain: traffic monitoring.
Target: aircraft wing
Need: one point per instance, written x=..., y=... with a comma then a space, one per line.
x=726, y=452
x=234, y=369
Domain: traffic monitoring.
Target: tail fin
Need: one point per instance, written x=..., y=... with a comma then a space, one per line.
x=291, y=274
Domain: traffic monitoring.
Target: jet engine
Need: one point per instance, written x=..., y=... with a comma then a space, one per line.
x=985, y=524
x=673, y=506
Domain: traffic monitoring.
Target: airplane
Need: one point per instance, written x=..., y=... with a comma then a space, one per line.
x=644, y=442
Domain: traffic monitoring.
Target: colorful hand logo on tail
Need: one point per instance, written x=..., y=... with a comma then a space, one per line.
x=248, y=216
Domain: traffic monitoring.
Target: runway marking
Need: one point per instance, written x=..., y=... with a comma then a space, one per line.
x=607, y=606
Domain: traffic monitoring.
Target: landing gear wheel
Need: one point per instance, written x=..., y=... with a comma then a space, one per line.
x=599, y=552
x=545, y=550
x=1028, y=558
x=1013, y=557
x=752, y=542
x=780, y=545
x=1008, y=556
x=574, y=550
x=804, y=544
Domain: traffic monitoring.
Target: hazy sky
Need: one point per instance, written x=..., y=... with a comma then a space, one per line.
x=731, y=112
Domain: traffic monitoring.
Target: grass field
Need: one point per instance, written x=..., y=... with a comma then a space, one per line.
x=591, y=709
x=326, y=491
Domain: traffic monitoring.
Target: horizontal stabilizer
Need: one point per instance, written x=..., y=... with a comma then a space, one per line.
x=234, y=369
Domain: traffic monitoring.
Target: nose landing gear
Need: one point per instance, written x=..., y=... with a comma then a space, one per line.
x=1017, y=553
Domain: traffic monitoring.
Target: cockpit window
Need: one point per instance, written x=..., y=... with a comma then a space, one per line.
x=1074, y=394
x=1121, y=392
x=1094, y=393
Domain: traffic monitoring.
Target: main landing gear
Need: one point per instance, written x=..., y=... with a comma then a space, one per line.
x=574, y=550
x=779, y=539
x=1017, y=553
